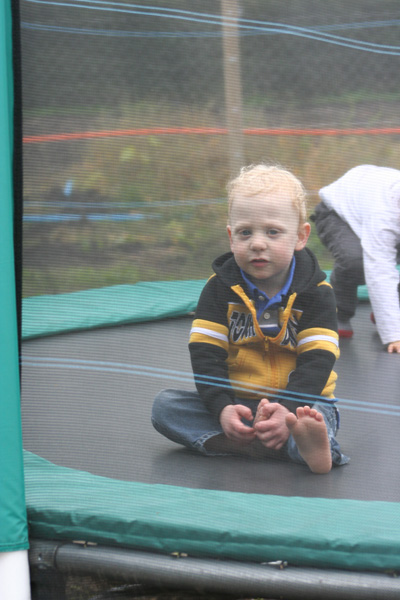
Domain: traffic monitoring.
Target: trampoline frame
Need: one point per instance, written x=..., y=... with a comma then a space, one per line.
x=57, y=559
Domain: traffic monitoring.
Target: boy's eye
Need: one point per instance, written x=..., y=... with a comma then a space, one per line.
x=272, y=232
x=245, y=232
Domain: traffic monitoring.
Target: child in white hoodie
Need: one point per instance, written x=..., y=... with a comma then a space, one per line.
x=358, y=220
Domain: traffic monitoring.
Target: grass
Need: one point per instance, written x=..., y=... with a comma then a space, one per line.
x=166, y=178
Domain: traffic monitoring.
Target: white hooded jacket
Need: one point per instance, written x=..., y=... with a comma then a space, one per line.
x=368, y=199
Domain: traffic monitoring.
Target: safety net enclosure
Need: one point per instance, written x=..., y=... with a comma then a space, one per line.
x=135, y=115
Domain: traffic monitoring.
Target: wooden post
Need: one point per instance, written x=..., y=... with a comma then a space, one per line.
x=233, y=88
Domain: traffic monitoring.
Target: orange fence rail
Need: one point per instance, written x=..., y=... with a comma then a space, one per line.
x=84, y=135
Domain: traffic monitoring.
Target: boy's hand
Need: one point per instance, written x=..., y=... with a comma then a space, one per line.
x=393, y=347
x=231, y=422
x=271, y=429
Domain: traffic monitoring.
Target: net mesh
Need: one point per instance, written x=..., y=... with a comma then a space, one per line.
x=135, y=116
x=132, y=116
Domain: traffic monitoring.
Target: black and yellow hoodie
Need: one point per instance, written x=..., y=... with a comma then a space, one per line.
x=231, y=357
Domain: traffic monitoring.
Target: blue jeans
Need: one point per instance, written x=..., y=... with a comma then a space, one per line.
x=182, y=417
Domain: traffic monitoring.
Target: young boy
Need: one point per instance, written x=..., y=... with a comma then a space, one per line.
x=358, y=220
x=264, y=339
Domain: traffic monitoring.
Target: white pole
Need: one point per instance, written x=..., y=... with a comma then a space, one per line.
x=233, y=85
x=14, y=576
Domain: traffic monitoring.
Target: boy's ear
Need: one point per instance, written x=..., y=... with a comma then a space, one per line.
x=229, y=230
x=303, y=235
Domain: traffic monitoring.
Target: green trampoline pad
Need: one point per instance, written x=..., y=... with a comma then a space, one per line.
x=67, y=504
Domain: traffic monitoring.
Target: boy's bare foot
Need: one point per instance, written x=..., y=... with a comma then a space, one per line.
x=260, y=414
x=309, y=432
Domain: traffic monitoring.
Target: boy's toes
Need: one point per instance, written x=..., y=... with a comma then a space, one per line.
x=300, y=411
x=290, y=421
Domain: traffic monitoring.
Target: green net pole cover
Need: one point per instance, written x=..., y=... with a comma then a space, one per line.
x=13, y=529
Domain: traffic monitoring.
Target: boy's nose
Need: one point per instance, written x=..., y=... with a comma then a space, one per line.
x=258, y=242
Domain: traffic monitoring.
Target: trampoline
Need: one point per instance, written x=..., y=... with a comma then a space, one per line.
x=96, y=471
x=87, y=484
x=83, y=369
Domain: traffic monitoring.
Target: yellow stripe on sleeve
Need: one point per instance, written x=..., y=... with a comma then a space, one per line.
x=318, y=339
x=209, y=332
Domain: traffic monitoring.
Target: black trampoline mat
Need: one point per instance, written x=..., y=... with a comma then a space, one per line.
x=90, y=410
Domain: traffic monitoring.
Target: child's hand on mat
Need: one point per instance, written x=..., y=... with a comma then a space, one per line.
x=271, y=428
x=393, y=347
x=231, y=422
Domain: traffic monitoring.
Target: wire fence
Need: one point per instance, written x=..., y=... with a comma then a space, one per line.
x=149, y=108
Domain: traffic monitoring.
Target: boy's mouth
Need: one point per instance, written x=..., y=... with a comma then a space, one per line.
x=259, y=261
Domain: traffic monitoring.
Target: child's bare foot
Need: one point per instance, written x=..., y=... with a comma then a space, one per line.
x=260, y=414
x=309, y=432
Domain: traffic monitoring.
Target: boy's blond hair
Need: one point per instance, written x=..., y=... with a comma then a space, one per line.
x=255, y=179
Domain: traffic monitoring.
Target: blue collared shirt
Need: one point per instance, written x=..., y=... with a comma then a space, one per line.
x=263, y=303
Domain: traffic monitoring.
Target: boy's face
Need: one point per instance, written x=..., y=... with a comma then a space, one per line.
x=264, y=232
